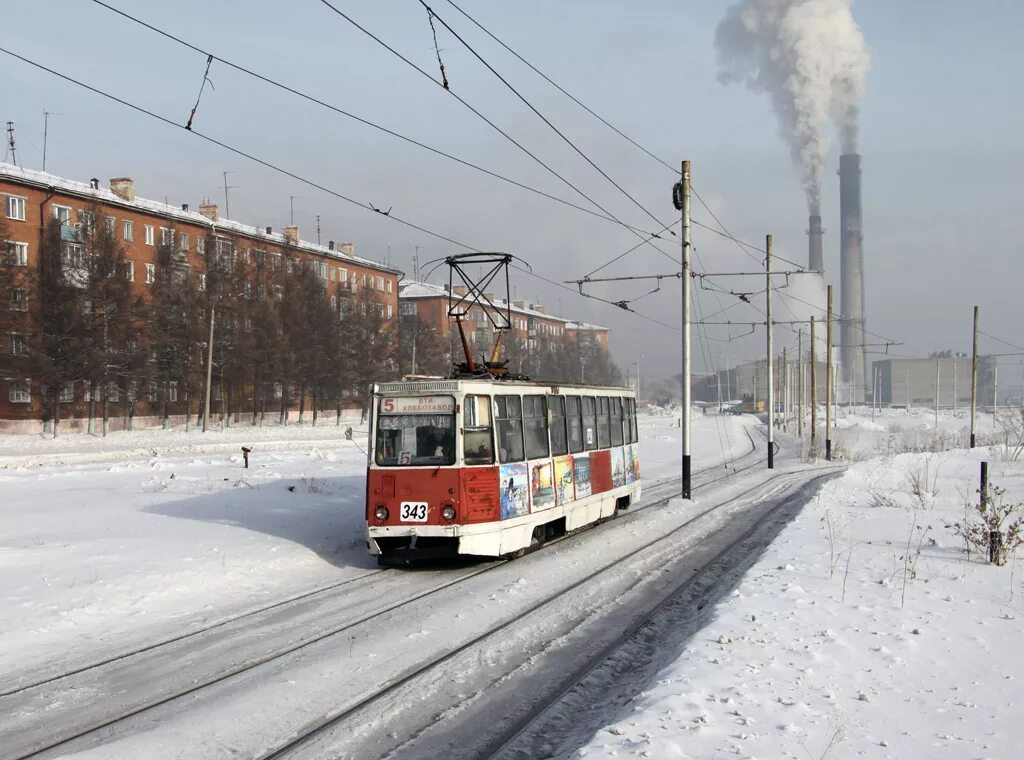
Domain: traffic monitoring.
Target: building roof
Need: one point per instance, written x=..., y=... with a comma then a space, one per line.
x=413, y=289
x=170, y=211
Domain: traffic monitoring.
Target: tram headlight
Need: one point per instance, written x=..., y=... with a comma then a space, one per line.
x=448, y=512
x=381, y=513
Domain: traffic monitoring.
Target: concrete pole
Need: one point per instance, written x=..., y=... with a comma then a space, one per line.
x=974, y=376
x=906, y=390
x=800, y=382
x=828, y=385
x=209, y=369
x=768, y=323
x=814, y=391
x=685, y=421
x=937, y=398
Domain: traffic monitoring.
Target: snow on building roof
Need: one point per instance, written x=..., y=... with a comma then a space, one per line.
x=414, y=289
x=170, y=211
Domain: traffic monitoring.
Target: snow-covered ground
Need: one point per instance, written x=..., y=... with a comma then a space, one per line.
x=107, y=543
x=865, y=629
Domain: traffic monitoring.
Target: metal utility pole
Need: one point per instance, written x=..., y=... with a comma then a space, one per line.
x=227, y=205
x=828, y=375
x=974, y=376
x=937, y=401
x=768, y=323
x=785, y=391
x=685, y=419
x=800, y=383
x=814, y=391
x=46, y=130
x=906, y=391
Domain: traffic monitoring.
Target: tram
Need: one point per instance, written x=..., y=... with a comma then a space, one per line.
x=494, y=467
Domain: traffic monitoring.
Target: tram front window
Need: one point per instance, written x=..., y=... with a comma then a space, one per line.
x=409, y=439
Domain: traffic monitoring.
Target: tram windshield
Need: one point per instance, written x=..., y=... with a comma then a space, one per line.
x=415, y=431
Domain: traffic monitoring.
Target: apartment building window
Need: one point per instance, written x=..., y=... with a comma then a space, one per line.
x=128, y=230
x=321, y=270
x=183, y=241
x=15, y=208
x=20, y=392
x=201, y=245
x=62, y=214
x=150, y=235
x=129, y=271
x=343, y=276
x=407, y=308
x=67, y=393
x=278, y=293
x=202, y=281
x=150, y=274
x=172, y=390
x=275, y=261
x=261, y=258
x=113, y=393
x=111, y=223
x=19, y=299
x=380, y=283
x=166, y=236
x=17, y=254
x=390, y=311
x=18, y=345
x=390, y=284
x=246, y=256
x=334, y=303
x=261, y=290
x=87, y=220
x=153, y=391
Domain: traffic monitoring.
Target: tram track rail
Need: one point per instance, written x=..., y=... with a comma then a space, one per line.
x=357, y=709
x=86, y=729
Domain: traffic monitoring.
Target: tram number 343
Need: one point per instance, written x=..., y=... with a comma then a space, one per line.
x=413, y=511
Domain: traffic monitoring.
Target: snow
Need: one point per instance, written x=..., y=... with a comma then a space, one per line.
x=865, y=630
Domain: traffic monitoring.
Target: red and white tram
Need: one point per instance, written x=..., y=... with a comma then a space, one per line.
x=493, y=467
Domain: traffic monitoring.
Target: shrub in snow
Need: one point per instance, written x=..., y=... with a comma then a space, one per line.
x=997, y=528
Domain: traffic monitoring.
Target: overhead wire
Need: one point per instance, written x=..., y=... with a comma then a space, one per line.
x=362, y=120
x=480, y=115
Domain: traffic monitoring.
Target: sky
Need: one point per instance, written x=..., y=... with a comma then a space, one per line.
x=939, y=136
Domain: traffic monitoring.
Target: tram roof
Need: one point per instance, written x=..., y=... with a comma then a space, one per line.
x=454, y=385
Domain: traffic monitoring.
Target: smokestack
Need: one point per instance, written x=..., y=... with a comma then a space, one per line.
x=851, y=293
x=814, y=233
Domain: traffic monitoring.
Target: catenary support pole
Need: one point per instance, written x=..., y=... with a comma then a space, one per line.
x=785, y=391
x=209, y=370
x=800, y=383
x=770, y=406
x=937, y=397
x=974, y=376
x=814, y=393
x=828, y=375
x=685, y=419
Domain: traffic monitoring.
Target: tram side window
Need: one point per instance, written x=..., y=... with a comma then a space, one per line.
x=559, y=440
x=602, y=422
x=510, y=428
x=476, y=426
x=632, y=420
x=616, y=421
x=572, y=417
x=535, y=426
x=589, y=421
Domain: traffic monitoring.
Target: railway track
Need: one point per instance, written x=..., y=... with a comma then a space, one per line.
x=226, y=643
x=495, y=720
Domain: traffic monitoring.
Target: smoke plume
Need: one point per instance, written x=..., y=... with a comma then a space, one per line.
x=810, y=57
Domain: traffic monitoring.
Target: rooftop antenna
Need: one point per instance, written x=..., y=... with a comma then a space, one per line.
x=318, y=229
x=291, y=202
x=46, y=129
x=459, y=307
x=416, y=264
x=227, y=205
x=10, y=143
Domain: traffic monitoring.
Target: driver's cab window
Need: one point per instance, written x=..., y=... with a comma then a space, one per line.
x=476, y=430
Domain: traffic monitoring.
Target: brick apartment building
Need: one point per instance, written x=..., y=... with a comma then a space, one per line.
x=28, y=199
x=534, y=336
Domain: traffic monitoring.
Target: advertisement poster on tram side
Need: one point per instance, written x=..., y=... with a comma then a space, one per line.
x=564, y=491
x=636, y=461
x=542, y=487
x=629, y=453
x=515, y=491
x=619, y=468
x=581, y=470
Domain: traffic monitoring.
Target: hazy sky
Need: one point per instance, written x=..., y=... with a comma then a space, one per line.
x=940, y=139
